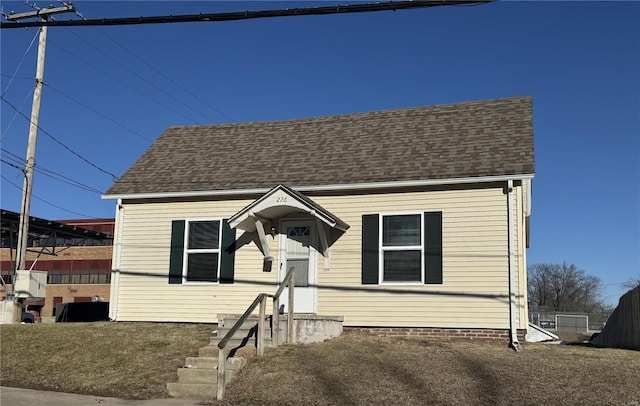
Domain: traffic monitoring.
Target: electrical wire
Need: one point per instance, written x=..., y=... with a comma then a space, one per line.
x=16, y=114
x=4, y=75
x=21, y=61
x=167, y=78
x=44, y=201
x=247, y=15
x=123, y=83
x=99, y=113
x=60, y=142
x=54, y=175
x=137, y=75
x=16, y=160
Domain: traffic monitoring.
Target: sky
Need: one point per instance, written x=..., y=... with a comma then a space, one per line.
x=110, y=91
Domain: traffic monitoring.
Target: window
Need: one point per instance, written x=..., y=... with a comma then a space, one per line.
x=7, y=276
x=402, y=248
x=202, y=251
x=78, y=276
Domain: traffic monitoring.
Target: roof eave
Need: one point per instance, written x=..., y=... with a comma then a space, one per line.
x=322, y=188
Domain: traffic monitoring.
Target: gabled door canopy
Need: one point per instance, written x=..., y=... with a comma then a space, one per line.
x=279, y=202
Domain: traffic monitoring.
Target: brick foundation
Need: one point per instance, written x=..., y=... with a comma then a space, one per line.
x=471, y=334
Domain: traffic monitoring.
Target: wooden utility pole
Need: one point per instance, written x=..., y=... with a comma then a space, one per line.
x=23, y=230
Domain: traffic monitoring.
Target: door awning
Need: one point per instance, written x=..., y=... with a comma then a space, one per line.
x=282, y=201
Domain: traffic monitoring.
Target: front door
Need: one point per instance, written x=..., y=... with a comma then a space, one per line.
x=297, y=239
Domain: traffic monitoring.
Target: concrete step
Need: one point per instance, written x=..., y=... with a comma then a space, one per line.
x=227, y=321
x=212, y=363
x=192, y=390
x=240, y=341
x=198, y=375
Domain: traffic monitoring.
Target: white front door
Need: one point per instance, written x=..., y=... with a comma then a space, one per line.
x=297, y=238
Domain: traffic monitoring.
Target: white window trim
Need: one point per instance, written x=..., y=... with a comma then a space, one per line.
x=187, y=251
x=382, y=249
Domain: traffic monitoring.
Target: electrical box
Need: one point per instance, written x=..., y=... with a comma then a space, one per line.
x=30, y=284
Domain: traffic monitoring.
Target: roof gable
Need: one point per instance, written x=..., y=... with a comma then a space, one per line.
x=463, y=140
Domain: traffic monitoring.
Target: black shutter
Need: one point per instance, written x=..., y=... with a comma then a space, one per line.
x=433, y=247
x=370, y=249
x=227, y=253
x=177, y=252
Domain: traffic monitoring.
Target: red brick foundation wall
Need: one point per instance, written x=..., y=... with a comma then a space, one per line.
x=471, y=334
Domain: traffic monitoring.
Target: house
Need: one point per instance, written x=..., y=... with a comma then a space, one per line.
x=74, y=253
x=408, y=221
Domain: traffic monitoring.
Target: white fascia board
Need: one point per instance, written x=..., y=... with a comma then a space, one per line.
x=323, y=188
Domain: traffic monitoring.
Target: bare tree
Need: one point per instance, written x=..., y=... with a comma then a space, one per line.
x=632, y=283
x=563, y=287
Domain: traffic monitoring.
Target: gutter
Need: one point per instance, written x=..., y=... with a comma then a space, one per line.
x=513, y=342
x=115, y=267
x=322, y=188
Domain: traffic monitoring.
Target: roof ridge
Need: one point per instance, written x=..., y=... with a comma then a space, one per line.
x=355, y=114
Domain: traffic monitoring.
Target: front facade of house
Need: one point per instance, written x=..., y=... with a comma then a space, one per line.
x=413, y=218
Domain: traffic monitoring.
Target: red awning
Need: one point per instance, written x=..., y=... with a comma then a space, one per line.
x=34, y=301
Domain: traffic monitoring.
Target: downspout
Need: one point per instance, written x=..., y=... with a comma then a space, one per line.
x=115, y=282
x=512, y=299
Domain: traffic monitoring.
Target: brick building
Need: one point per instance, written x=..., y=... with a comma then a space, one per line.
x=75, y=253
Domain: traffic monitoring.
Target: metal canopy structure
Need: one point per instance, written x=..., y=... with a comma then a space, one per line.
x=41, y=229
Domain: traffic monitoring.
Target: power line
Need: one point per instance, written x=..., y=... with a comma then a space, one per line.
x=4, y=75
x=246, y=15
x=16, y=162
x=10, y=164
x=153, y=68
x=20, y=64
x=99, y=113
x=123, y=83
x=47, y=172
x=16, y=114
x=44, y=201
x=60, y=142
x=137, y=75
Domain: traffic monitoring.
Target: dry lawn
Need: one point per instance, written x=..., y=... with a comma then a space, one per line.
x=136, y=360
x=126, y=360
x=359, y=370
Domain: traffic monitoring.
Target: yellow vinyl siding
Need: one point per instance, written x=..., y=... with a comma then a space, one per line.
x=145, y=293
x=474, y=292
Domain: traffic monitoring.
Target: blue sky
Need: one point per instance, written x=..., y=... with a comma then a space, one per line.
x=112, y=90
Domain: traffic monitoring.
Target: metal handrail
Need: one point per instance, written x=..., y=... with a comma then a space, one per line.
x=222, y=343
x=259, y=300
x=283, y=284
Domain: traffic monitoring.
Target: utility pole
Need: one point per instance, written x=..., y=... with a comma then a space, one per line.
x=23, y=230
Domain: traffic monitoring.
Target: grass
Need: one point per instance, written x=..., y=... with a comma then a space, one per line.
x=364, y=370
x=135, y=360
x=127, y=360
x=576, y=338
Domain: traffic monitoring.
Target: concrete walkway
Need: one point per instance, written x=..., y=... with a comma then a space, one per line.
x=29, y=397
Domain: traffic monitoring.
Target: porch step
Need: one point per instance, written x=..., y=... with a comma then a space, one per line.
x=245, y=336
x=199, y=378
x=192, y=390
x=204, y=362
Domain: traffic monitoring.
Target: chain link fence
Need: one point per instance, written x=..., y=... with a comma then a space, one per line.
x=569, y=321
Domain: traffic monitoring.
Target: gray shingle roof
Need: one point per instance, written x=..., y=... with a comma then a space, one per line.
x=473, y=139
